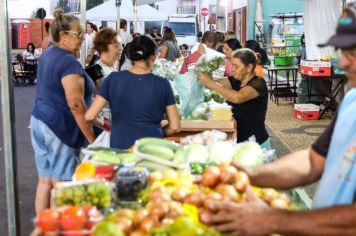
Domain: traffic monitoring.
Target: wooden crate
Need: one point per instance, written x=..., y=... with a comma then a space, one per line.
x=190, y=127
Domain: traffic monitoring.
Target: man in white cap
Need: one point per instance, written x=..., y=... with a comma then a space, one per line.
x=331, y=159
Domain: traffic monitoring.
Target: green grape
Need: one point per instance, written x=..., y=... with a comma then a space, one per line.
x=91, y=189
x=95, y=201
x=68, y=193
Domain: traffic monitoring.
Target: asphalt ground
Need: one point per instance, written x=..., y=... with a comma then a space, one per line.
x=26, y=169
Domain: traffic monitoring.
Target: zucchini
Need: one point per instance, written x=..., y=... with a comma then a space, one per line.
x=152, y=166
x=159, y=141
x=157, y=150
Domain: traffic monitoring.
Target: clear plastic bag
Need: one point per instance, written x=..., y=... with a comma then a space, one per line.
x=190, y=92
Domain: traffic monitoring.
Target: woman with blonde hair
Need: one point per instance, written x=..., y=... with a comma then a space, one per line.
x=58, y=125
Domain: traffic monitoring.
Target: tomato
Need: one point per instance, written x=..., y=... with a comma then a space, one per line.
x=93, y=216
x=48, y=220
x=73, y=218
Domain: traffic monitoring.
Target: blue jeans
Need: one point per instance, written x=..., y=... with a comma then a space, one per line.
x=53, y=158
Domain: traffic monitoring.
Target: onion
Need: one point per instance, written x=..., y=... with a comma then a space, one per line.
x=159, y=208
x=128, y=213
x=228, y=173
x=124, y=224
x=228, y=192
x=170, y=174
x=167, y=221
x=138, y=233
x=159, y=194
x=242, y=181
x=284, y=197
x=139, y=215
x=155, y=176
x=147, y=224
x=269, y=194
x=279, y=203
x=195, y=199
x=180, y=194
x=211, y=176
x=214, y=195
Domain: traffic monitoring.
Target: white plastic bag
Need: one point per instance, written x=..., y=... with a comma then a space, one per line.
x=103, y=140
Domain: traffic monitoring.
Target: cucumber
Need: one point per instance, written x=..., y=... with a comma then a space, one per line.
x=159, y=141
x=107, y=157
x=157, y=150
x=152, y=166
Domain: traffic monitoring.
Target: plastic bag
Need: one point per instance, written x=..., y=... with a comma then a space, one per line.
x=103, y=140
x=190, y=92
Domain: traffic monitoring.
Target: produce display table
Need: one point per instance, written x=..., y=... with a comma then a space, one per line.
x=190, y=127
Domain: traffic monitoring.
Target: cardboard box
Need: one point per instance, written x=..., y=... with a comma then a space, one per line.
x=315, y=68
x=306, y=111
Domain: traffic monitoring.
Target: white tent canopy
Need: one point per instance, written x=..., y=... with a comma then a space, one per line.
x=107, y=12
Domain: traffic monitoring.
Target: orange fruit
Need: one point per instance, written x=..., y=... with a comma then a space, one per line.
x=84, y=170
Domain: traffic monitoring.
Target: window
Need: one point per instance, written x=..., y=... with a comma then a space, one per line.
x=183, y=28
x=186, y=10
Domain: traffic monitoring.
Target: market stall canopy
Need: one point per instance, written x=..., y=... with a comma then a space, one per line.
x=320, y=25
x=107, y=12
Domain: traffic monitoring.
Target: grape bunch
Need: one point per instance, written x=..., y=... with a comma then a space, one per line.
x=96, y=194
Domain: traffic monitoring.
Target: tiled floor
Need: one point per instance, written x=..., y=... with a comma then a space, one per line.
x=289, y=134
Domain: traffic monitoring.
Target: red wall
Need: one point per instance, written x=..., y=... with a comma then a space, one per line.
x=35, y=35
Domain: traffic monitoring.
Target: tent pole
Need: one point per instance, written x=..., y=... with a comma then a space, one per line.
x=83, y=10
x=7, y=100
x=118, y=4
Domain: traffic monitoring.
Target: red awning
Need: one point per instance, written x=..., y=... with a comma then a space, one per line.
x=212, y=20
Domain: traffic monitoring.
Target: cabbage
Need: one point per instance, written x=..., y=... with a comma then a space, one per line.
x=249, y=154
x=197, y=153
x=221, y=151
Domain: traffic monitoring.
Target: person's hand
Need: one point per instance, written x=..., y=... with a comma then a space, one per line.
x=37, y=232
x=201, y=49
x=205, y=79
x=249, y=218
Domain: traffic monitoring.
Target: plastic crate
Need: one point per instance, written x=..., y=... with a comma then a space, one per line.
x=284, y=60
x=293, y=41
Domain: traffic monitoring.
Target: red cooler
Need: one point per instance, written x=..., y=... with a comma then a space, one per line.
x=306, y=111
x=315, y=68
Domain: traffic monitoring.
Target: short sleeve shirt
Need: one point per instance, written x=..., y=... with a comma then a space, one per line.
x=250, y=116
x=338, y=182
x=138, y=103
x=51, y=105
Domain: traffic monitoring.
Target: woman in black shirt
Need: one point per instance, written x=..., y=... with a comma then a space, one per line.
x=248, y=95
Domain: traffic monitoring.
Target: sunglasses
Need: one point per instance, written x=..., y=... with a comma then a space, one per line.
x=80, y=35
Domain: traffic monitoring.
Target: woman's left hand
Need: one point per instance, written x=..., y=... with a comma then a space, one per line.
x=205, y=79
